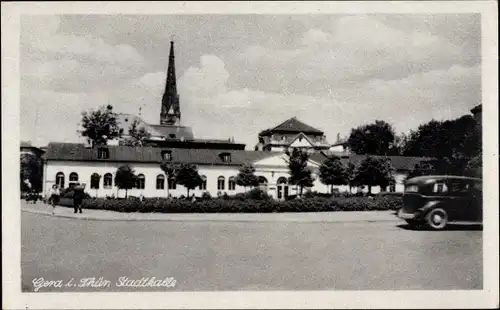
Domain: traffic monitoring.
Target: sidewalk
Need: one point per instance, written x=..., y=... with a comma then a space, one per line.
x=303, y=217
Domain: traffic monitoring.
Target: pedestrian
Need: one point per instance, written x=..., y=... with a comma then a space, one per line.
x=54, y=197
x=78, y=194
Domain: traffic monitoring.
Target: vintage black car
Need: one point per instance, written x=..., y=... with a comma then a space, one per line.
x=437, y=200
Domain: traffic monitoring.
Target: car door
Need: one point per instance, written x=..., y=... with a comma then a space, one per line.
x=460, y=200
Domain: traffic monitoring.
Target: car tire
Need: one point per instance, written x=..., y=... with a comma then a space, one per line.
x=437, y=219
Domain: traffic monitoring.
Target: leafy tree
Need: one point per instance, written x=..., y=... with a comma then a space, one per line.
x=422, y=168
x=300, y=174
x=188, y=176
x=125, y=178
x=31, y=171
x=246, y=177
x=332, y=172
x=170, y=169
x=374, y=139
x=398, y=146
x=351, y=175
x=475, y=167
x=137, y=134
x=100, y=125
x=374, y=171
x=452, y=142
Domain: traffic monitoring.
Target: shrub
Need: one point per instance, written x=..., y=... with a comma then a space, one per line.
x=235, y=204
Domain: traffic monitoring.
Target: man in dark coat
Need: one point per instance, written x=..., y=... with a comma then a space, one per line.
x=78, y=194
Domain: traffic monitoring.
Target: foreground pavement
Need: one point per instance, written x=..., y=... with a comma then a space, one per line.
x=102, y=215
x=227, y=255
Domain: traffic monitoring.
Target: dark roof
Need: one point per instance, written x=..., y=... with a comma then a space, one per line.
x=477, y=109
x=125, y=120
x=292, y=125
x=119, y=153
x=398, y=162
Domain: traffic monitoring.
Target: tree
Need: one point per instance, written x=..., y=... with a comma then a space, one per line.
x=374, y=139
x=170, y=169
x=452, y=143
x=422, y=168
x=475, y=167
x=332, y=172
x=100, y=125
x=31, y=173
x=125, y=178
x=246, y=177
x=137, y=134
x=95, y=179
x=374, y=171
x=300, y=174
x=188, y=176
x=351, y=175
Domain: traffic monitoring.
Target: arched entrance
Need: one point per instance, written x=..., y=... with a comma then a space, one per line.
x=282, y=188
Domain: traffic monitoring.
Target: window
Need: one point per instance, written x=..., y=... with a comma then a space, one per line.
x=231, y=184
x=160, y=182
x=73, y=177
x=102, y=153
x=440, y=188
x=141, y=181
x=282, y=180
x=411, y=189
x=60, y=180
x=166, y=155
x=172, y=184
x=225, y=157
x=262, y=181
x=95, y=180
x=392, y=188
x=220, y=183
x=108, y=180
x=203, y=185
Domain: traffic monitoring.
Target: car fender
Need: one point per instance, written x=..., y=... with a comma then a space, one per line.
x=428, y=206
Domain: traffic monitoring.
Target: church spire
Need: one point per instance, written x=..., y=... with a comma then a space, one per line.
x=170, y=109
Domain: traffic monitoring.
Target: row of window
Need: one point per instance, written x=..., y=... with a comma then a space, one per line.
x=103, y=153
x=141, y=181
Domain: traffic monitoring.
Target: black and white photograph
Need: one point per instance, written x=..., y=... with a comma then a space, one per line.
x=173, y=148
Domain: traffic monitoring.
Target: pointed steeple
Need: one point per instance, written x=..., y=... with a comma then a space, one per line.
x=170, y=109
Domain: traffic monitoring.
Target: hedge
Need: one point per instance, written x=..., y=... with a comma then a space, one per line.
x=233, y=205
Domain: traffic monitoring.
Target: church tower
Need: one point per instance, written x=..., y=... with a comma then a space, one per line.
x=170, y=109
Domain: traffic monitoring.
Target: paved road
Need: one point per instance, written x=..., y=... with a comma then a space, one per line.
x=250, y=256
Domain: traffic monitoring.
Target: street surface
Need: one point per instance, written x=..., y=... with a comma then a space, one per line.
x=209, y=255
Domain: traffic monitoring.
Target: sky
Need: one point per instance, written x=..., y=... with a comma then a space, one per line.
x=240, y=74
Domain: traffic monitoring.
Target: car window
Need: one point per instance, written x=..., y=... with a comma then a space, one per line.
x=440, y=188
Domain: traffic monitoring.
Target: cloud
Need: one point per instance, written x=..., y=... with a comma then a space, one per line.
x=334, y=73
x=353, y=49
x=68, y=62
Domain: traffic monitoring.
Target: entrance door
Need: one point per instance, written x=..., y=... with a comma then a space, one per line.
x=282, y=188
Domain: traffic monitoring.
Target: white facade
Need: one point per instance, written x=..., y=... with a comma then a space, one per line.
x=274, y=169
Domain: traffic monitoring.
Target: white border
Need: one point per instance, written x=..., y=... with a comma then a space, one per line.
x=11, y=280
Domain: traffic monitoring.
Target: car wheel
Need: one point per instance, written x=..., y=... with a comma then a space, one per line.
x=437, y=219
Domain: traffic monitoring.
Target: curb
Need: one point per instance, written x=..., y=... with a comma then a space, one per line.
x=93, y=218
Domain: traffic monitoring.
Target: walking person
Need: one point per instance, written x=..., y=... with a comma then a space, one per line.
x=78, y=193
x=54, y=197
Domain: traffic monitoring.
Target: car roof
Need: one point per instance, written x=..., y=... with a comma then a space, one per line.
x=426, y=178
